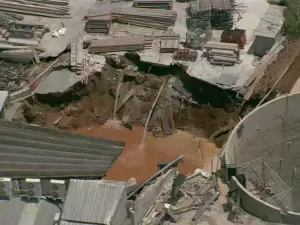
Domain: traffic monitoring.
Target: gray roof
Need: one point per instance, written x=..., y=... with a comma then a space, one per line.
x=33, y=151
x=3, y=97
x=93, y=201
x=16, y=211
x=271, y=23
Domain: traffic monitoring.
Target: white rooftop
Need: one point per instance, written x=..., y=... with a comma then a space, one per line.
x=271, y=23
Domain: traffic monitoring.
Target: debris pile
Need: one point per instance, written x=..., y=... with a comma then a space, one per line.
x=155, y=4
x=186, y=200
x=153, y=18
x=48, y=8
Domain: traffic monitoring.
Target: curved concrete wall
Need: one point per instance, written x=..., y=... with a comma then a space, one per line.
x=271, y=131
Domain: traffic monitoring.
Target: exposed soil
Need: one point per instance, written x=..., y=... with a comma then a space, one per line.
x=88, y=105
x=275, y=70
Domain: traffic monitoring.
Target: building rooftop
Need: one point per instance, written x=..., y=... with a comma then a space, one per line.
x=93, y=201
x=33, y=151
x=272, y=22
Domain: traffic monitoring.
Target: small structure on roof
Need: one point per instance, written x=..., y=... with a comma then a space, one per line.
x=268, y=31
x=95, y=202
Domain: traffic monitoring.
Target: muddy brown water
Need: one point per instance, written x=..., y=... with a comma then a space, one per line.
x=140, y=162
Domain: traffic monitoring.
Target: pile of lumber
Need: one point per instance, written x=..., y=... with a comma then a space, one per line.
x=47, y=8
x=225, y=54
x=154, y=18
x=19, y=40
x=98, y=24
x=98, y=20
x=154, y=4
x=118, y=44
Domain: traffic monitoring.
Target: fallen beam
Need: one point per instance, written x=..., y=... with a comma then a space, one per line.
x=128, y=95
x=201, y=210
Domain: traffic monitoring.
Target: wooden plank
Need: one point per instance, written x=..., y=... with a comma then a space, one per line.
x=201, y=210
x=128, y=95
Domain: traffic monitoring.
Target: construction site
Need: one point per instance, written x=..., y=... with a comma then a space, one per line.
x=148, y=112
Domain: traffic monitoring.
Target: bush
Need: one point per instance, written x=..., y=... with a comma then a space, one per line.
x=292, y=20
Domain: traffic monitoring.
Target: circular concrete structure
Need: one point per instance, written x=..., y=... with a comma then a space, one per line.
x=271, y=133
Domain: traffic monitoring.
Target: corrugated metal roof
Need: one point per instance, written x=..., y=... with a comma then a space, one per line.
x=18, y=212
x=32, y=151
x=93, y=201
x=271, y=23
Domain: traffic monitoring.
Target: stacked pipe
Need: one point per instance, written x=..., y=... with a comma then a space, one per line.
x=47, y=8
x=155, y=4
x=118, y=44
x=97, y=23
x=154, y=18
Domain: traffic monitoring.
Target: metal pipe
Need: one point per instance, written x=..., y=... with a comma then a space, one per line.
x=178, y=159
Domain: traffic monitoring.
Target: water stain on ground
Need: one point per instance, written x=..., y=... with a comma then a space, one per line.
x=140, y=160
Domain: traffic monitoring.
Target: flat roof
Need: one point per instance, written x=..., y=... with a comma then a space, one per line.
x=272, y=22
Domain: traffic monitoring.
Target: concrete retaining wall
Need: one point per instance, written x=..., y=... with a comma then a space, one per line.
x=263, y=210
x=271, y=131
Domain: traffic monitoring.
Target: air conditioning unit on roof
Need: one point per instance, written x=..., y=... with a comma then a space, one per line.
x=5, y=187
x=58, y=189
x=33, y=188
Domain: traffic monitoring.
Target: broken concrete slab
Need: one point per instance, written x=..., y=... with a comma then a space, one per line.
x=58, y=82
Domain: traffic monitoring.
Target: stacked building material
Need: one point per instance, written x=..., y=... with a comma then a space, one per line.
x=155, y=4
x=20, y=39
x=186, y=55
x=169, y=42
x=118, y=44
x=100, y=24
x=154, y=18
x=47, y=8
x=217, y=12
x=77, y=55
x=98, y=20
x=219, y=53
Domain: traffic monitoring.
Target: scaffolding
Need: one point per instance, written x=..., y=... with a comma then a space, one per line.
x=219, y=13
x=264, y=183
x=198, y=34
